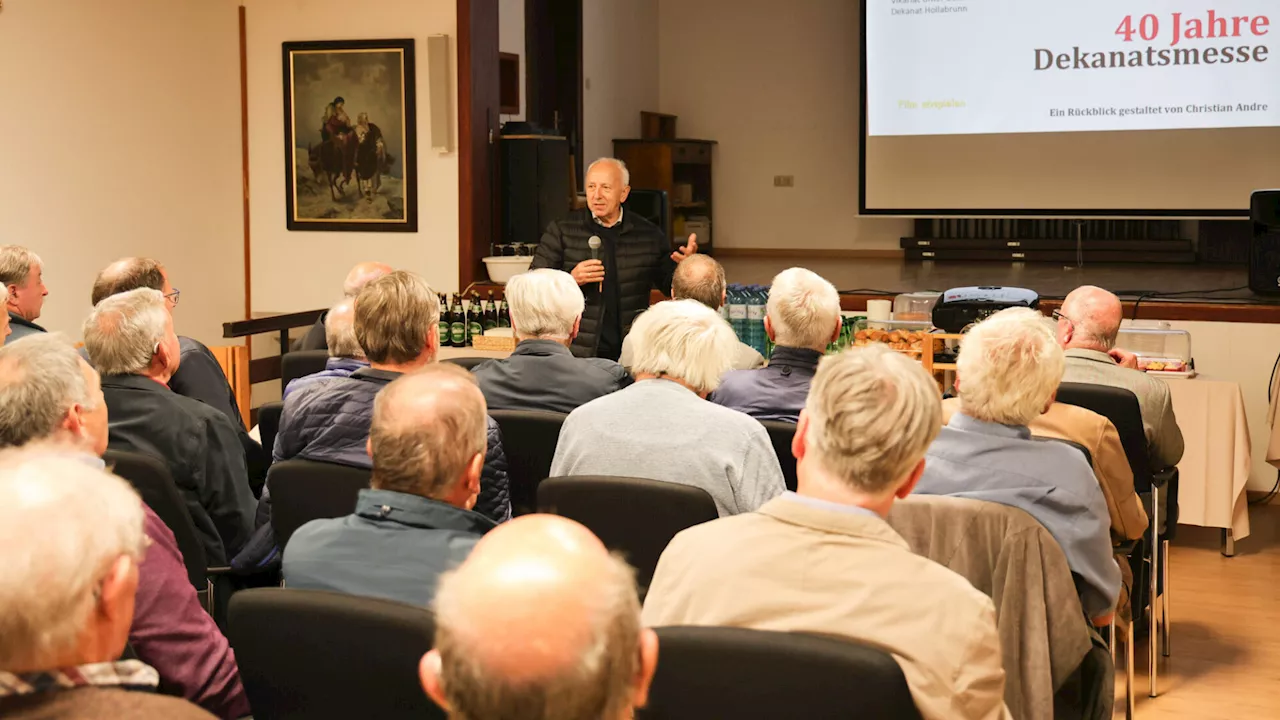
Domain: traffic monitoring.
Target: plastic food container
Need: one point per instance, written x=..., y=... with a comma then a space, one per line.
x=502, y=268
x=915, y=306
x=903, y=335
x=1160, y=349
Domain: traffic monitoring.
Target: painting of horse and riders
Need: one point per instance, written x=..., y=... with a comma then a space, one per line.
x=350, y=136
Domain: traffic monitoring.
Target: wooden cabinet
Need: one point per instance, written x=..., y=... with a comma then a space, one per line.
x=682, y=169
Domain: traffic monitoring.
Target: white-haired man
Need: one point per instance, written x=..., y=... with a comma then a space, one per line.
x=130, y=340
x=345, y=354
x=802, y=319
x=540, y=623
x=51, y=401
x=415, y=522
x=361, y=274
x=634, y=257
x=701, y=278
x=1007, y=374
x=73, y=539
x=662, y=428
x=542, y=374
x=22, y=275
x=823, y=559
x=1088, y=325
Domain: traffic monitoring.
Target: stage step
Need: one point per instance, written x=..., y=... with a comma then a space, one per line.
x=1019, y=245
x=1035, y=254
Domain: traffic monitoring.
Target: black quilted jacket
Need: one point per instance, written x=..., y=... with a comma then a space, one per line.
x=644, y=264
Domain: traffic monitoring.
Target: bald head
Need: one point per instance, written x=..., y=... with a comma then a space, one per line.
x=1090, y=319
x=428, y=435
x=540, y=622
x=340, y=330
x=701, y=278
x=128, y=274
x=361, y=275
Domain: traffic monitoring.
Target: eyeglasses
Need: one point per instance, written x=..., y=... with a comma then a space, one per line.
x=1057, y=315
x=173, y=296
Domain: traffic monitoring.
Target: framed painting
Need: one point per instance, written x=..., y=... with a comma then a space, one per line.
x=350, y=128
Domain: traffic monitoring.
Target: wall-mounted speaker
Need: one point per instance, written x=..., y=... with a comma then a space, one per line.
x=438, y=75
x=1264, y=253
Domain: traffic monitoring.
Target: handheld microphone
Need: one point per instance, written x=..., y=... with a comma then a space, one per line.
x=593, y=242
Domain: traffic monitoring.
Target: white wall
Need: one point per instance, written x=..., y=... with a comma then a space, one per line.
x=776, y=83
x=619, y=71
x=121, y=136
x=511, y=40
x=295, y=271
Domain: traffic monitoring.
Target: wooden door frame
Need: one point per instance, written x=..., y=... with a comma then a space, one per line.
x=478, y=117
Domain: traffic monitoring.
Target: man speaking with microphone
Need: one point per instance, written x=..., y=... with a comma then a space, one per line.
x=616, y=258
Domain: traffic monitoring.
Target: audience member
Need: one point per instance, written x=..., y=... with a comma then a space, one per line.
x=22, y=273
x=130, y=340
x=803, y=317
x=345, y=354
x=1098, y=436
x=199, y=375
x=7, y=328
x=540, y=623
x=397, y=325
x=823, y=560
x=317, y=338
x=542, y=374
x=73, y=539
x=50, y=399
x=663, y=428
x=1007, y=374
x=1088, y=325
x=701, y=278
x=427, y=442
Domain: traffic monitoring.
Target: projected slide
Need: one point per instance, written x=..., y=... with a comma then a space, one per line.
x=953, y=67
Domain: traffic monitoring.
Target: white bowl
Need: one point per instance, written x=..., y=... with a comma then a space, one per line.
x=504, y=267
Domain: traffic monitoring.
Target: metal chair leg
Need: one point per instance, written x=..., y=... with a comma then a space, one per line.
x=1111, y=640
x=1164, y=604
x=1154, y=637
x=1128, y=667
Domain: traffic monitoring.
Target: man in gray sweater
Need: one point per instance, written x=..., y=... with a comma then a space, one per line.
x=662, y=427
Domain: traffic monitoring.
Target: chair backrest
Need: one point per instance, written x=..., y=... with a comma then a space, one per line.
x=727, y=672
x=151, y=478
x=1121, y=407
x=781, y=434
x=466, y=363
x=269, y=424
x=321, y=656
x=635, y=516
x=294, y=365
x=529, y=440
x=306, y=490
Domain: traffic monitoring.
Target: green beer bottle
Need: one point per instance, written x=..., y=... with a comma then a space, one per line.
x=457, y=324
x=446, y=331
x=475, y=318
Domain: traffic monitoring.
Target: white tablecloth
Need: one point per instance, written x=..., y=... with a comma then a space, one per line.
x=1215, y=467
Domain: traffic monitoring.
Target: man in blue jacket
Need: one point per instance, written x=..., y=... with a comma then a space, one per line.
x=427, y=442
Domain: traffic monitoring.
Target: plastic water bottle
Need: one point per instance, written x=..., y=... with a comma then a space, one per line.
x=738, y=311
x=757, y=297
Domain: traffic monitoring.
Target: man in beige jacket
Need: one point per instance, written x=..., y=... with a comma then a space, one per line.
x=823, y=560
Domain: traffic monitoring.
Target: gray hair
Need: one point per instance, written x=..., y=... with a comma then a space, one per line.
x=1009, y=368
x=699, y=277
x=394, y=316
x=544, y=303
x=426, y=427
x=124, y=330
x=598, y=685
x=16, y=263
x=41, y=378
x=622, y=168
x=340, y=331
x=803, y=309
x=872, y=414
x=63, y=524
x=683, y=339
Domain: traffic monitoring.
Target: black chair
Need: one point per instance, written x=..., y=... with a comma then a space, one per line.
x=328, y=656
x=727, y=672
x=529, y=440
x=151, y=478
x=781, y=434
x=1121, y=407
x=634, y=516
x=269, y=424
x=306, y=490
x=466, y=363
x=294, y=365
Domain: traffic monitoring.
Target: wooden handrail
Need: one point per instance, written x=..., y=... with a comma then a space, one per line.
x=271, y=323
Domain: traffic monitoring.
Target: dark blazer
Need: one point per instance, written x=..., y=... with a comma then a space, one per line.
x=315, y=339
x=544, y=375
x=201, y=448
x=644, y=263
x=19, y=328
